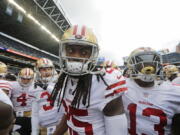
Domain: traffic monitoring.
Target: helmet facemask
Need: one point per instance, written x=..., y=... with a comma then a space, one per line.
x=46, y=76
x=145, y=66
x=78, y=65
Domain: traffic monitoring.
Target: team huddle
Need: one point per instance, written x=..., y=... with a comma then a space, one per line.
x=86, y=99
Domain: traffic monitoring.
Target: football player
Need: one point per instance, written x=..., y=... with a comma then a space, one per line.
x=149, y=106
x=171, y=72
x=82, y=88
x=44, y=116
x=22, y=97
x=4, y=84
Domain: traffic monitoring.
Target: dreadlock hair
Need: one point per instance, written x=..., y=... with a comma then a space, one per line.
x=58, y=88
x=82, y=92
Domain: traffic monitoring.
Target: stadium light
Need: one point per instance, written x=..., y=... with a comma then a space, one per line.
x=45, y=29
x=17, y=6
x=32, y=18
x=53, y=36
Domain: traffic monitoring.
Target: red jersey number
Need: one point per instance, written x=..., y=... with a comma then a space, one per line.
x=71, y=112
x=22, y=99
x=47, y=106
x=147, y=112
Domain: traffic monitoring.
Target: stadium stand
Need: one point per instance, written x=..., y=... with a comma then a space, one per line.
x=18, y=54
x=172, y=58
x=20, y=46
x=22, y=41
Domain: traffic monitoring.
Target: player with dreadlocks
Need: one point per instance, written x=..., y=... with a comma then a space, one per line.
x=81, y=88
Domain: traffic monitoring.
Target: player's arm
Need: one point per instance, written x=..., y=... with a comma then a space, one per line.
x=115, y=119
x=175, y=124
x=35, y=118
x=115, y=107
x=62, y=127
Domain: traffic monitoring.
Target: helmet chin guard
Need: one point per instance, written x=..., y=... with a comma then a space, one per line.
x=76, y=67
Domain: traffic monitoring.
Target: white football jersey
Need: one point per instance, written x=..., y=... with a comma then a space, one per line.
x=22, y=97
x=43, y=114
x=6, y=87
x=150, y=110
x=4, y=98
x=90, y=121
x=176, y=81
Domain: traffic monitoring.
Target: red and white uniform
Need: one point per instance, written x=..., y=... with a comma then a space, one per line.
x=22, y=98
x=90, y=121
x=43, y=114
x=6, y=86
x=4, y=98
x=176, y=81
x=150, y=110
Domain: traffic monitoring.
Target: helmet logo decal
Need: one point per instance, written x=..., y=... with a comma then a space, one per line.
x=75, y=30
x=78, y=36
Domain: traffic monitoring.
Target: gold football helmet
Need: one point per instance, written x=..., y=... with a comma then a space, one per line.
x=26, y=77
x=144, y=64
x=3, y=69
x=170, y=70
x=45, y=70
x=78, y=36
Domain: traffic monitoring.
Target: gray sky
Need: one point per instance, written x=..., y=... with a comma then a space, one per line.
x=124, y=25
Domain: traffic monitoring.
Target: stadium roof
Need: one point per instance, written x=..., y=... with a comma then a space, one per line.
x=17, y=24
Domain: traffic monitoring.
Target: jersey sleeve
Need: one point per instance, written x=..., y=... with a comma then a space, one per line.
x=115, y=86
x=6, y=87
x=4, y=98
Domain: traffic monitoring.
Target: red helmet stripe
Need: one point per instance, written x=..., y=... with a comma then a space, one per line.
x=75, y=30
x=83, y=31
x=27, y=71
x=45, y=61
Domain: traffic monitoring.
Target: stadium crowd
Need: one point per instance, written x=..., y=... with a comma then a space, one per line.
x=86, y=99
